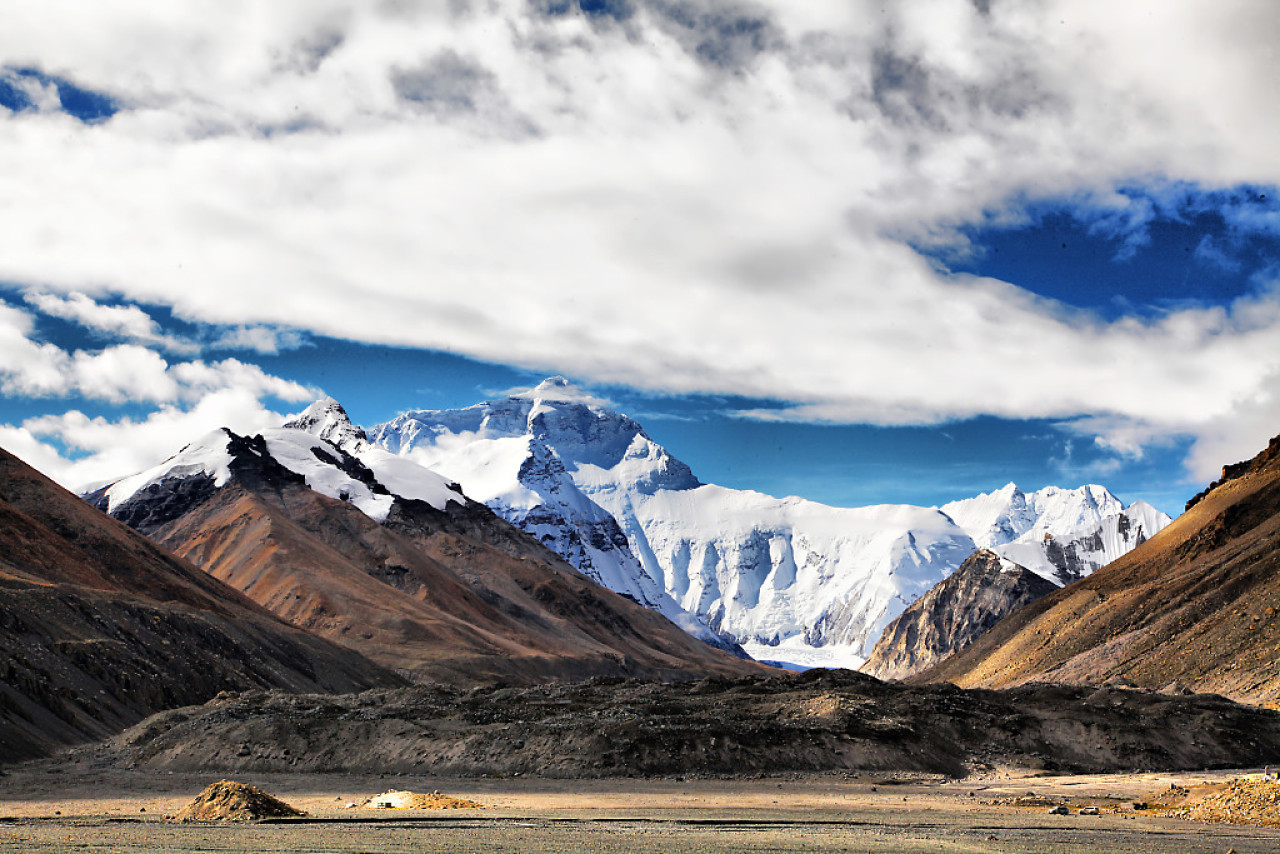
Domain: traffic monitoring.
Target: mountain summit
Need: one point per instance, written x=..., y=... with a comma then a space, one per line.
x=790, y=579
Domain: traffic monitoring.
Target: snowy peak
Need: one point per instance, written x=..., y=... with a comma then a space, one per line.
x=327, y=419
x=1060, y=534
x=215, y=458
x=370, y=479
x=596, y=444
x=1009, y=514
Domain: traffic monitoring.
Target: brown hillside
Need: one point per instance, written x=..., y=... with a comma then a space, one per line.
x=461, y=597
x=1196, y=607
x=99, y=628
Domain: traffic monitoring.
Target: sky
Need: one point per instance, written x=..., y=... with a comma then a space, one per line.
x=860, y=252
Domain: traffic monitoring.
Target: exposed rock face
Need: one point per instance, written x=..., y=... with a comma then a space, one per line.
x=1198, y=605
x=954, y=613
x=99, y=628
x=437, y=587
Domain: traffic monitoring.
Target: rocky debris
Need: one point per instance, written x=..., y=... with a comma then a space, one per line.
x=1242, y=801
x=402, y=800
x=816, y=722
x=228, y=800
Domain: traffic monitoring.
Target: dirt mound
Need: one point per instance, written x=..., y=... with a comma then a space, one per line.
x=228, y=800
x=396, y=800
x=1242, y=801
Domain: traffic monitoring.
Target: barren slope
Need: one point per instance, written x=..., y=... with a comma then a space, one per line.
x=99, y=628
x=1196, y=606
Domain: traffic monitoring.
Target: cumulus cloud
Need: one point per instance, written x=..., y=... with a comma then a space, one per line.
x=122, y=372
x=83, y=452
x=717, y=196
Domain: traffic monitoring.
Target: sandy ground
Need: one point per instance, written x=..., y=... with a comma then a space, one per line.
x=47, y=808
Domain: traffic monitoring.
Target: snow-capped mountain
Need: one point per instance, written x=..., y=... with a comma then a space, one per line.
x=371, y=482
x=1060, y=534
x=790, y=579
x=504, y=463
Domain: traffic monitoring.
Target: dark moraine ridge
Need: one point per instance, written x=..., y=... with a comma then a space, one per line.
x=816, y=722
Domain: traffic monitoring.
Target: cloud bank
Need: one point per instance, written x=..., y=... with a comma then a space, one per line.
x=714, y=196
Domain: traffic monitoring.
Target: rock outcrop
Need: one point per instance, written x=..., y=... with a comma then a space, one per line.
x=954, y=613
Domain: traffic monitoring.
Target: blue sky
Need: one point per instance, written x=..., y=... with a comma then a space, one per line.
x=857, y=252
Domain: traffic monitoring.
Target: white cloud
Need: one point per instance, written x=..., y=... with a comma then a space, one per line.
x=714, y=202
x=121, y=373
x=123, y=321
x=103, y=450
x=259, y=339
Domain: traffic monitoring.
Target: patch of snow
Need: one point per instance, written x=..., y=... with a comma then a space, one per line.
x=207, y=455
x=297, y=451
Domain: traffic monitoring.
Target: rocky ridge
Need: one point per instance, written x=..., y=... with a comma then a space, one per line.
x=820, y=721
x=954, y=613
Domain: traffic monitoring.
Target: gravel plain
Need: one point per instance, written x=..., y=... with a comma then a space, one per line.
x=47, y=809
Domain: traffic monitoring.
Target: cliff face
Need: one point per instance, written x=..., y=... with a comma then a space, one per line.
x=953, y=614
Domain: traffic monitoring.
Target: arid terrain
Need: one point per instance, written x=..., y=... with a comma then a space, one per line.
x=1195, y=607
x=51, y=808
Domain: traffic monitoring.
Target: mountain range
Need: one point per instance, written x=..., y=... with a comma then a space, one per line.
x=790, y=580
